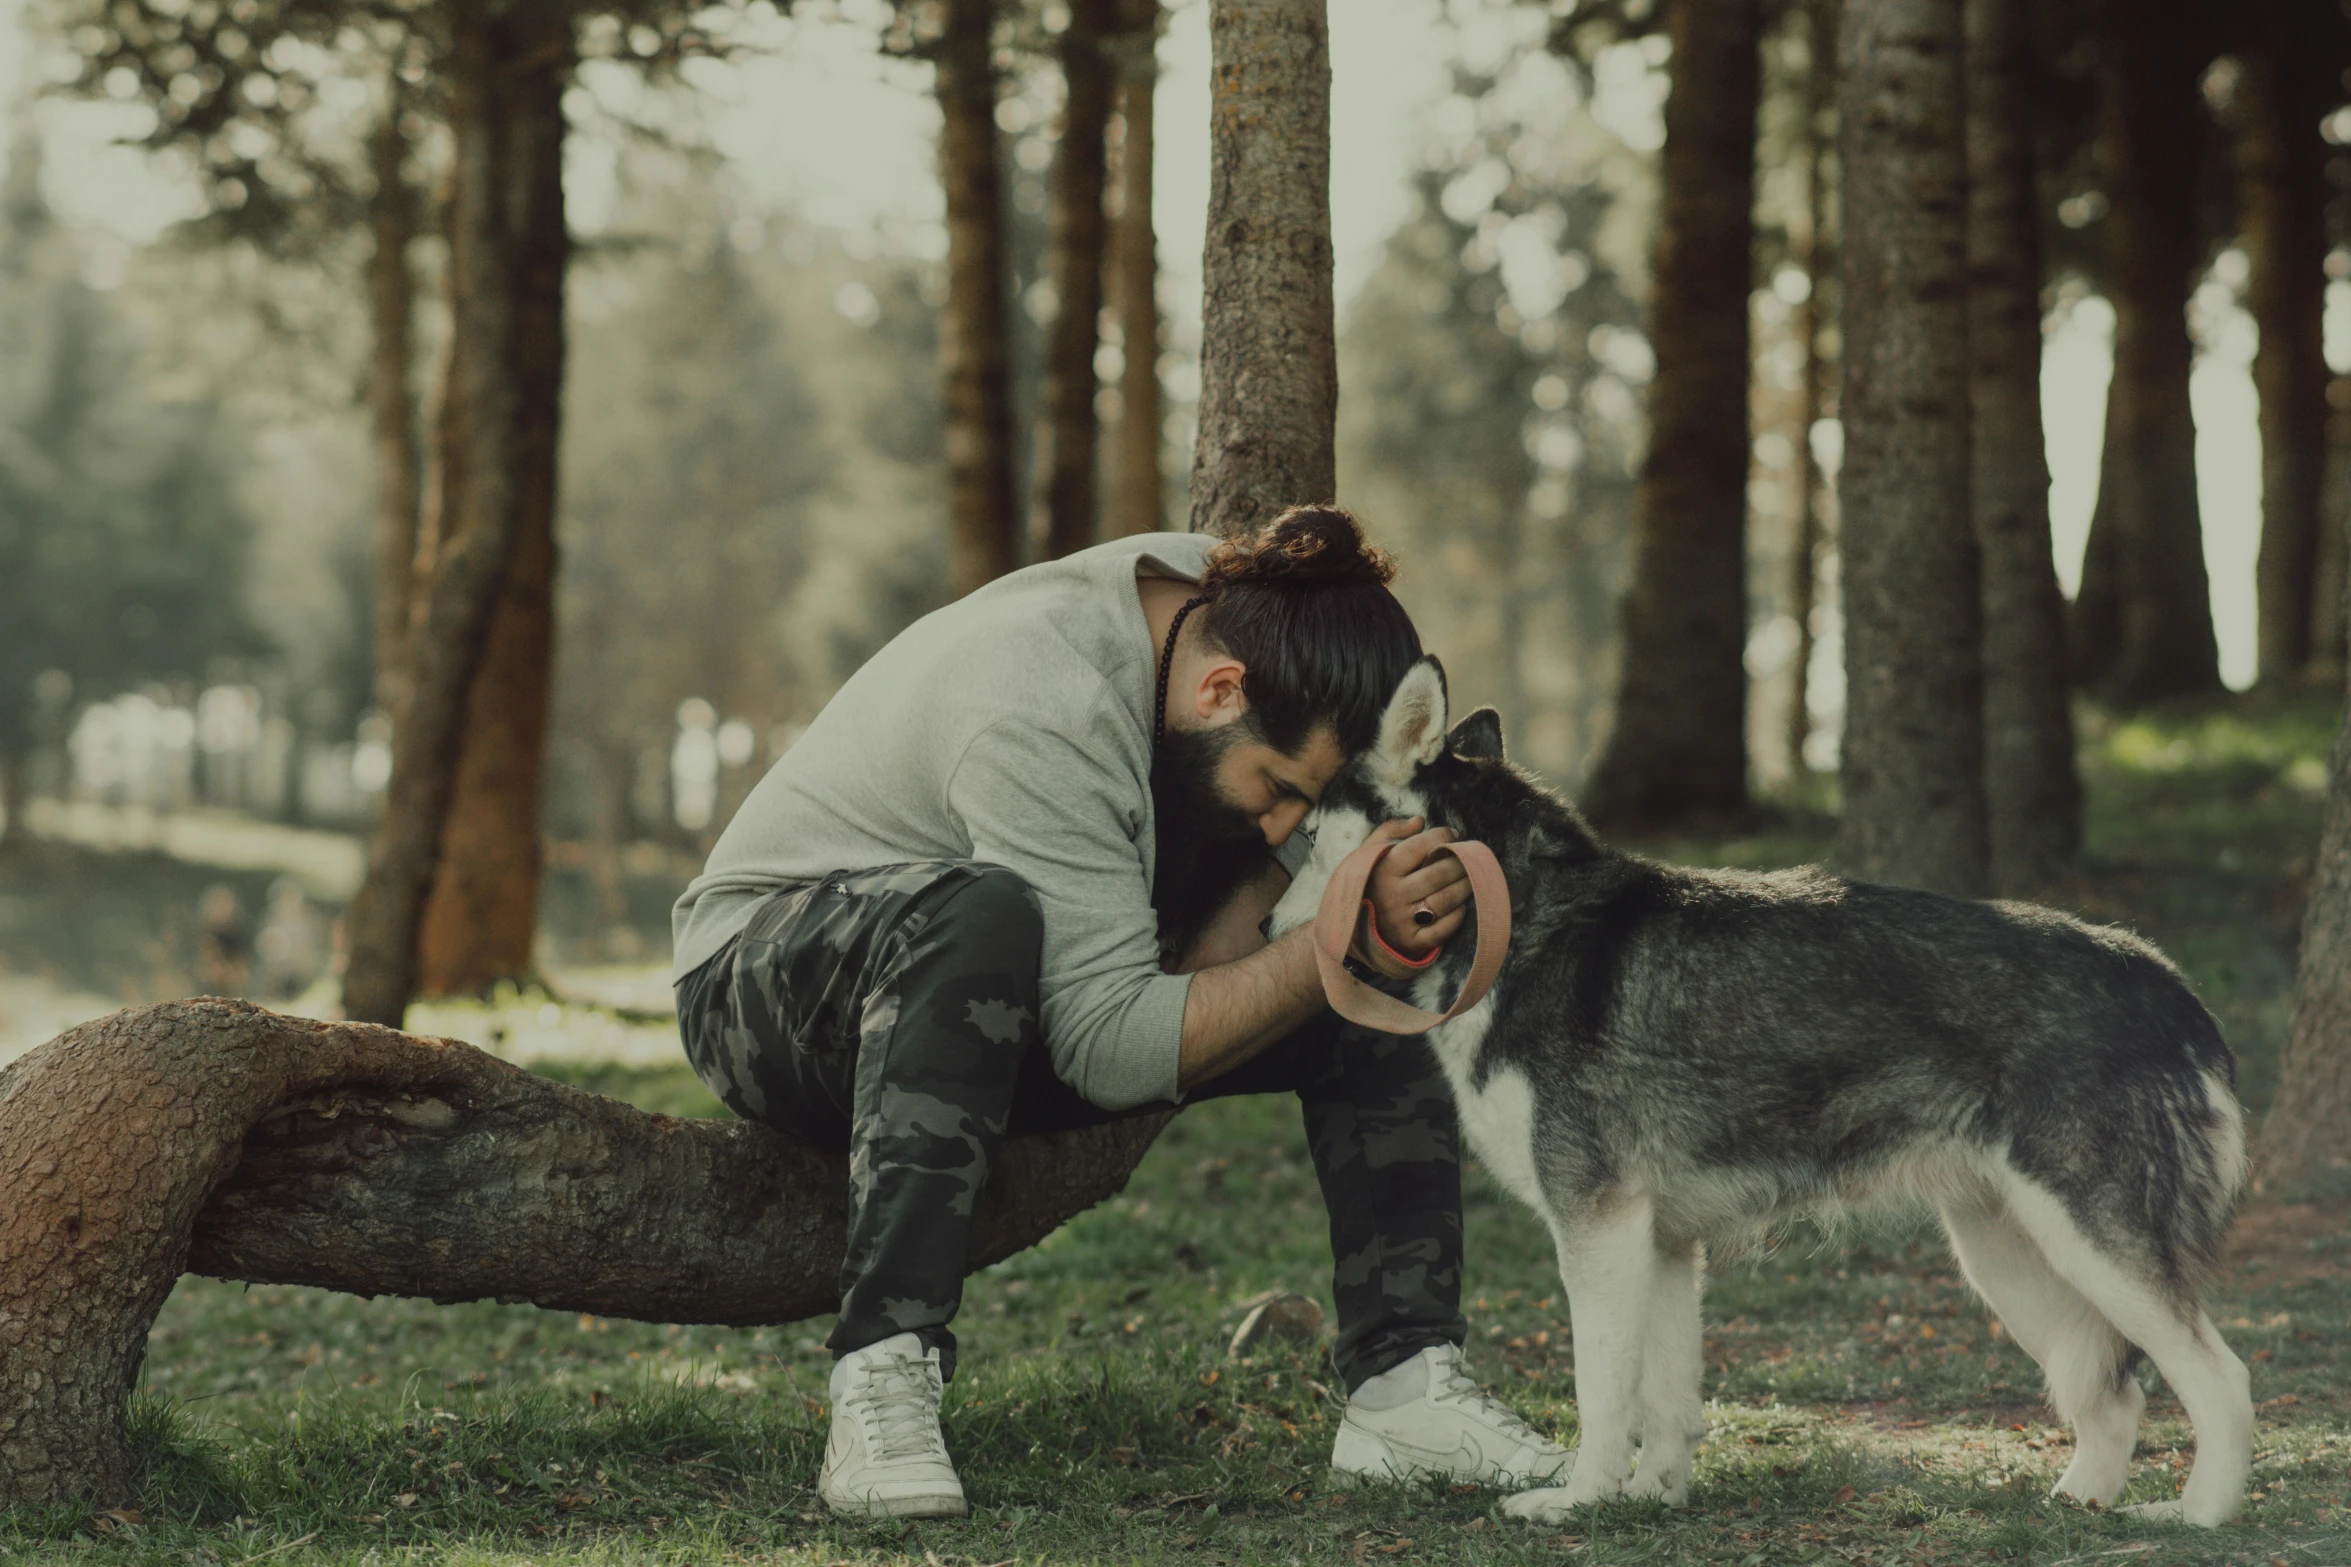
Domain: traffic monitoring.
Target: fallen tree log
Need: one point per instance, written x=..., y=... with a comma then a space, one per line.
x=215, y=1137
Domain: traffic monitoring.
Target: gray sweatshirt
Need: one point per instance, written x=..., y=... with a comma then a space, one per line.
x=1012, y=727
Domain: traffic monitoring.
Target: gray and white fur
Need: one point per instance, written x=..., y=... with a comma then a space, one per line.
x=1675, y=1059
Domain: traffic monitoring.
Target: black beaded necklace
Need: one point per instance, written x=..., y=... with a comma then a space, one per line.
x=1167, y=667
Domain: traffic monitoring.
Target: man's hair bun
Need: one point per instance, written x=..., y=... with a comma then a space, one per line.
x=1304, y=604
x=1305, y=547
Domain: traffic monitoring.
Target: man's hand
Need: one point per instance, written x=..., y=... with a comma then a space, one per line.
x=1413, y=878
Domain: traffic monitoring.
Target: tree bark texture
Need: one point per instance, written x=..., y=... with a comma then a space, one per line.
x=975, y=332
x=2281, y=163
x=2032, y=794
x=391, y=402
x=1137, y=489
x=1269, y=366
x=213, y=1137
x=1913, y=756
x=469, y=528
x=2308, y=1130
x=1064, y=517
x=1678, y=751
x=2144, y=631
x=483, y=910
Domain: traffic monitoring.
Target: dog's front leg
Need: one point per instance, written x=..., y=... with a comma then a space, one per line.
x=1607, y=1259
x=1673, y=1367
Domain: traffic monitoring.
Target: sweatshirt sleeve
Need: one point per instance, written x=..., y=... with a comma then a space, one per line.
x=1033, y=801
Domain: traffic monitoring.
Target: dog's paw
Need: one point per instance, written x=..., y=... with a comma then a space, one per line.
x=1671, y=1487
x=2184, y=1510
x=1552, y=1504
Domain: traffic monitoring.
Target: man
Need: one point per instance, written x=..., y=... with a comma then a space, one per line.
x=1013, y=877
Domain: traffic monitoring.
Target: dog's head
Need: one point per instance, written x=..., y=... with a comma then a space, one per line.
x=1416, y=767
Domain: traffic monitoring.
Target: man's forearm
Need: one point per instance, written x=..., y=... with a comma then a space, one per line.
x=1236, y=1009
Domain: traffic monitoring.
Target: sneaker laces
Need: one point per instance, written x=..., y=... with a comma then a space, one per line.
x=899, y=1405
x=1448, y=1382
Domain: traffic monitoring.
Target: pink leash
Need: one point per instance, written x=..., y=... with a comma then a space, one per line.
x=1334, y=927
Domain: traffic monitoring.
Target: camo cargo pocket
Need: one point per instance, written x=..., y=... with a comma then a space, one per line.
x=803, y=953
x=773, y=1023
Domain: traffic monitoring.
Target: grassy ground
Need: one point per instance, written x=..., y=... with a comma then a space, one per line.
x=1862, y=1406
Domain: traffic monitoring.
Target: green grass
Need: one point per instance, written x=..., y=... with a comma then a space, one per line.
x=1862, y=1408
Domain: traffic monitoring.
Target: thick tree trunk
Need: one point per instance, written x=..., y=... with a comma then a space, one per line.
x=214, y=1137
x=391, y=402
x=2033, y=796
x=2307, y=1134
x=483, y=911
x=1678, y=751
x=975, y=332
x=1269, y=365
x=1913, y=753
x=2161, y=643
x=2281, y=164
x=1137, y=489
x=1063, y=518
x=469, y=526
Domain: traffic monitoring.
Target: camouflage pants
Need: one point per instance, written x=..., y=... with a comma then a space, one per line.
x=893, y=1012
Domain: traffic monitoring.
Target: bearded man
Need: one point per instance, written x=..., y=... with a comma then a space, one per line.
x=1013, y=879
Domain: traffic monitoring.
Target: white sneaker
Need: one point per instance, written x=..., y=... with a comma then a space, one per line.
x=886, y=1457
x=1426, y=1417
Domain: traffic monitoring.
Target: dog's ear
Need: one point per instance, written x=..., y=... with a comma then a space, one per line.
x=1477, y=737
x=1412, y=730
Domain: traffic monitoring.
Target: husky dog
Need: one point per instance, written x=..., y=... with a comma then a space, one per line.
x=1675, y=1058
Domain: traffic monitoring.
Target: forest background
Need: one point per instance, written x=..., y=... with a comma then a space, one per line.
x=750, y=494
x=769, y=382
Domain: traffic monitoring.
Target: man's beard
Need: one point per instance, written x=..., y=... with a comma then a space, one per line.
x=1207, y=846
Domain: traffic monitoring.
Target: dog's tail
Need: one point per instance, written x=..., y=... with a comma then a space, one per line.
x=2211, y=1136
x=2137, y=1132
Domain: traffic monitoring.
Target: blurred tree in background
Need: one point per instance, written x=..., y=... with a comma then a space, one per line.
x=772, y=456
x=123, y=549
x=1493, y=361
x=796, y=532
x=2032, y=792
x=1677, y=752
x=2143, y=619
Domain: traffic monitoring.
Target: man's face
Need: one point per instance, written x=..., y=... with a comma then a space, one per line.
x=1221, y=797
x=1238, y=787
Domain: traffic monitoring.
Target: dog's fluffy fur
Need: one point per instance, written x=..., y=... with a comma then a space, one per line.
x=1676, y=1059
